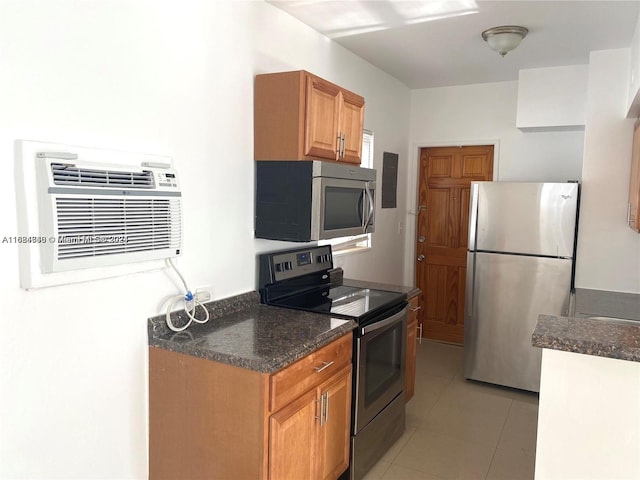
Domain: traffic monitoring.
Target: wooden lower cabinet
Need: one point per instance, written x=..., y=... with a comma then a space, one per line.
x=310, y=437
x=293, y=429
x=209, y=420
x=335, y=434
x=412, y=337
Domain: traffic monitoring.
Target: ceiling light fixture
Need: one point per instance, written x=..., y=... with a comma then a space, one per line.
x=504, y=39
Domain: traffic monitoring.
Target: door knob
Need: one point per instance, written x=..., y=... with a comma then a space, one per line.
x=420, y=258
x=421, y=238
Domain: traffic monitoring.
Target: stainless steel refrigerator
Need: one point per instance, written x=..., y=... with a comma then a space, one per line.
x=520, y=264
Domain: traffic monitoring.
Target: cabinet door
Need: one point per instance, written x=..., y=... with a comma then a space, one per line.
x=336, y=428
x=293, y=439
x=634, y=183
x=321, y=118
x=352, y=120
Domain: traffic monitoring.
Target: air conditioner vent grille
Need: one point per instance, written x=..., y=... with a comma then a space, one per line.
x=91, y=227
x=69, y=174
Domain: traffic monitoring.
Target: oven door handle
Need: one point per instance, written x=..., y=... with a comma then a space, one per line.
x=383, y=323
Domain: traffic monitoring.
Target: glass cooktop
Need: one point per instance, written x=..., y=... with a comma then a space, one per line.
x=342, y=301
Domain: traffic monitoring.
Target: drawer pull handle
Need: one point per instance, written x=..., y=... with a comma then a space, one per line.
x=415, y=309
x=324, y=366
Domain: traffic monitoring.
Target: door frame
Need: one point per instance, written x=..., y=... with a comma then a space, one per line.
x=411, y=243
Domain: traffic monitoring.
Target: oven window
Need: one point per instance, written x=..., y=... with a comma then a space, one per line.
x=382, y=363
x=342, y=208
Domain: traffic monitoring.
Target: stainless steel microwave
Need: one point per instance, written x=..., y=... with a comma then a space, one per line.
x=302, y=201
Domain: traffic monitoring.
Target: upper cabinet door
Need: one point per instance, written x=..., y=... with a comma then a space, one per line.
x=322, y=119
x=352, y=120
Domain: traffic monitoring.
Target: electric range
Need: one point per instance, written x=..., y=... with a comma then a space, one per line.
x=299, y=279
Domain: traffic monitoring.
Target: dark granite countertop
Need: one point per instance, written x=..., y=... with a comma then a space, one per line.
x=243, y=333
x=594, y=336
x=337, y=279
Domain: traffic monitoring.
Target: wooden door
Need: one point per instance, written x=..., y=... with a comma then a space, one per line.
x=446, y=174
x=321, y=118
x=293, y=436
x=335, y=434
x=352, y=120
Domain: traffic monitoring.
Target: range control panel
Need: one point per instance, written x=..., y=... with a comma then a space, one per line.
x=278, y=266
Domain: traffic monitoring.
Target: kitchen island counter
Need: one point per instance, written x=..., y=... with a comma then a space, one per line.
x=602, y=338
x=244, y=333
x=590, y=389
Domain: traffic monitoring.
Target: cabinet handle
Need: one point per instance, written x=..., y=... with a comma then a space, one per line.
x=344, y=144
x=629, y=214
x=420, y=333
x=325, y=365
x=415, y=309
x=339, y=138
x=326, y=408
x=321, y=400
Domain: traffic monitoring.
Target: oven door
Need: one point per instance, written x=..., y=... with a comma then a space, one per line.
x=342, y=207
x=379, y=366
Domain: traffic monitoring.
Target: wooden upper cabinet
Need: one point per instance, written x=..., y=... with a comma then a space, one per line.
x=633, y=214
x=299, y=116
x=352, y=120
x=322, y=119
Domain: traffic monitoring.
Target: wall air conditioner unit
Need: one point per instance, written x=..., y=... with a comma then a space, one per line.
x=98, y=214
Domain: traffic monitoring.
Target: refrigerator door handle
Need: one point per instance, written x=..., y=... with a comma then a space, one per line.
x=473, y=215
x=471, y=273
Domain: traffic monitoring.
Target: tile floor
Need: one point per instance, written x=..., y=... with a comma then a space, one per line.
x=457, y=429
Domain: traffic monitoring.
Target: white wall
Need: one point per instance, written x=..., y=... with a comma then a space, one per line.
x=171, y=77
x=608, y=255
x=486, y=113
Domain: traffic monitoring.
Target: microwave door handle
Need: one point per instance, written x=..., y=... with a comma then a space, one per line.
x=365, y=216
x=369, y=196
x=360, y=208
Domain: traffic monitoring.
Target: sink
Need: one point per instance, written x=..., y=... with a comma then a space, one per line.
x=615, y=320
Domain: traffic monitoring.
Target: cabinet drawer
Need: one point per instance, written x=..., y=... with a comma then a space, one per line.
x=308, y=372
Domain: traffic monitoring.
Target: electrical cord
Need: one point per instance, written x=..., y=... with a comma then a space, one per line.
x=179, y=274
x=190, y=305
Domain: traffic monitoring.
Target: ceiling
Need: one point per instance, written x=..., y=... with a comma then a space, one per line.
x=434, y=43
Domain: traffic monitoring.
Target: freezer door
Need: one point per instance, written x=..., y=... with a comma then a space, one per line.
x=508, y=292
x=519, y=217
